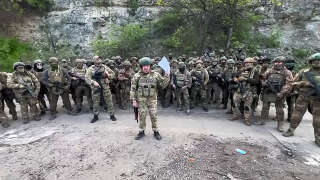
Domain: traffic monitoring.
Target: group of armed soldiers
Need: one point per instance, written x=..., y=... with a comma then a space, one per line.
x=230, y=81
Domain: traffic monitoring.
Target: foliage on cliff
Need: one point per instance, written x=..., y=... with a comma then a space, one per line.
x=20, y=5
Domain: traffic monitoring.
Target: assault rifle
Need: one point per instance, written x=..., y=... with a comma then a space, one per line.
x=29, y=89
x=314, y=83
x=274, y=86
x=98, y=76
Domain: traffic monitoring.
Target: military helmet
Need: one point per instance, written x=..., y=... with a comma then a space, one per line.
x=231, y=61
x=181, y=65
x=223, y=58
x=18, y=64
x=64, y=61
x=249, y=60
x=37, y=61
x=145, y=61
x=110, y=62
x=221, y=51
x=314, y=57
x=96, y=59
x=211, y=54
x=79, y=61
x=53, y=60
x=199, y=62
x=279, y=59
x=126, y=63
x=133, y=58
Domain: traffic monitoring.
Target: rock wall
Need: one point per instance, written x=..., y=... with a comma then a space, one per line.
x=78, y=22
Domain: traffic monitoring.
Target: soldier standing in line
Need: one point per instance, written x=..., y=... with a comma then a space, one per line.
x=247, y=80
x=276, y=82
x=98, y=77
x=229, y=85
x=57, y=81
x=124, y=77
x=80, y=86
x=38, y=70
x=292, y=96
x=181, y=82
x=8, y=97
x=215, y=75
x=3, y=116
x=200, y=78
x=26, y=88
x=143, y=94
x=307, y=82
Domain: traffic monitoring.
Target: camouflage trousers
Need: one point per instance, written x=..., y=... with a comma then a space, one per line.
x=3, y=116
x=27, y=102
x=54, y=101
x=214, y=92
x=246, y=99
x=124, y=90
x=300, y=109
x=7, y=98
x=106, y=95
x=182, y=96
x=41, y=98
x=201, y=91
x=147, y=105
x=81, y=91
x=267, y=99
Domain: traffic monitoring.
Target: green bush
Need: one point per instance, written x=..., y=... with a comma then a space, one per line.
x=168, y=23
x=21, y=5
x=13, y=50
x=133, y=7
x=102, y=3
x=301, y=53
x=128, y=39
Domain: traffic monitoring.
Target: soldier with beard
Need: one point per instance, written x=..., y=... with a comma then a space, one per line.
x=307, y=82
x=276, y=82
x=57, y=82
x=181, y=82
x=80, y=86
x=143, y=94
x=99, y=77
x=38, y=70
x=26, y=88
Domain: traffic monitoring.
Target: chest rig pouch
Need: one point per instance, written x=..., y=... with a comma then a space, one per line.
x=199, y=78
x=275, y=82
x=180, y=78
x=244, y=85
x=147, y=86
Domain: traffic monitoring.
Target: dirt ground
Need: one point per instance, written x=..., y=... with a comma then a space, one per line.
x=199, y=146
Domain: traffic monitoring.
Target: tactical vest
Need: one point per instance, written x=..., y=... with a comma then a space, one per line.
x=308, y=90
x=147, y=85
x=23, y=80
x=229, y=73
x=244, y=85
x=276, y=80
x=180, y=79
x=199, y=75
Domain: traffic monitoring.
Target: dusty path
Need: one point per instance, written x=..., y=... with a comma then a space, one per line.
x=199, y=146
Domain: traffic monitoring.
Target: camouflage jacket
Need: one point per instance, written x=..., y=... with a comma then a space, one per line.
x=284, y=76
x=200, y=77
x=24, y=84
x=107, y=75
x=306, y=90
x=146, y=85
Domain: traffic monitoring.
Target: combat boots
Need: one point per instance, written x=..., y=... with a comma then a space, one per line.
x=37, y=118
x=113, y=118
x=139, y=135
x=157, y=135
x=280, y=126
x=95, y=118
x=289, y=133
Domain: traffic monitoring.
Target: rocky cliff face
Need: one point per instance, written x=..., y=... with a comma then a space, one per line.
x=78, y=22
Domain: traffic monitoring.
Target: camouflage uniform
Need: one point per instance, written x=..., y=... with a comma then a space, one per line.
x=307, y=83
x=144, y=88
x=229, y=86
x=277, y=83
x=292, y=95
x=38, y=72
x=213, y=87
x=26, y=88
x=247, y=80
x=124, y=77
x=79, y=84
x=3, y=116
x=57, y=82
x=8, y=97
x=200, y=78
x=103, y=75
x=181, y=81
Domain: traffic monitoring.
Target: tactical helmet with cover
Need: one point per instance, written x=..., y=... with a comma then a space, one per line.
x=314, y=57
x=230, y=61
x=126, y=63
x=249, y=60
x=279, y=59
x=96, y=60
x=53, y=60
x=18, y=64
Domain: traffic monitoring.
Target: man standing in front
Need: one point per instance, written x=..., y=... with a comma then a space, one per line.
x=143, y=94
x=99, y=76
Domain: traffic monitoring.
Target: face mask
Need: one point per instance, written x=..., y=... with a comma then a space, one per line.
x=39, y=66
x=214, y=64
x=28, y=67
x=181, y=69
